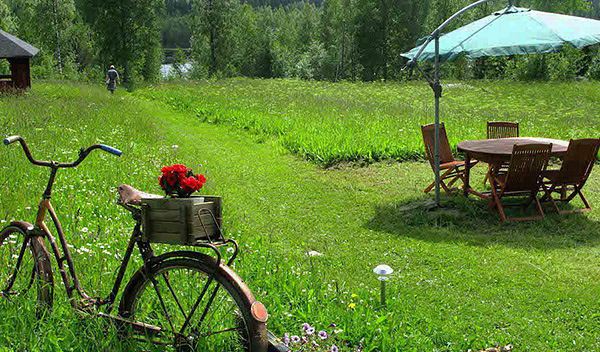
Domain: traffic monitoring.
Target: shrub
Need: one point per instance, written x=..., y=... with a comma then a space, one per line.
x=566, y=64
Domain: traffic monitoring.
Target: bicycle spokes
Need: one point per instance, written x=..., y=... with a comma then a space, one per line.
x=193, y=308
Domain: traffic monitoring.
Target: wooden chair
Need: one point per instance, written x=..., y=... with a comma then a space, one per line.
x=523, y=178
x=497, y=130
x=454, y=170
x=571, y=177
x=502, y=129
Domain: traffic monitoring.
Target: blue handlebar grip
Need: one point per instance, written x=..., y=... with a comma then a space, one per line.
x=11, y=139
x=111, y=150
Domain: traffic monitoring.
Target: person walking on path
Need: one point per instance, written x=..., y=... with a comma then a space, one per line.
x=112, y=79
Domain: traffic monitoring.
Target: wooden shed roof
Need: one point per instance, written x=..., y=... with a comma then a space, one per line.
x=11, y=46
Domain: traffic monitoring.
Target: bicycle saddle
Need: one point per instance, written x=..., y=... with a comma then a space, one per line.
x=131, y=196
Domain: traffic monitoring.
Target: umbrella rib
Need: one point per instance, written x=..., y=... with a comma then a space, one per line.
x=562, y=40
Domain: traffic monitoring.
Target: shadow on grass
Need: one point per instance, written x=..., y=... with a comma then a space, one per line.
x=470, y=222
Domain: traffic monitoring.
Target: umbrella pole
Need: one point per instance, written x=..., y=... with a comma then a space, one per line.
x=437, y=88
x=438, y=93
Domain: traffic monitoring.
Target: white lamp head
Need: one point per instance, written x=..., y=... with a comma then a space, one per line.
x=383, y=271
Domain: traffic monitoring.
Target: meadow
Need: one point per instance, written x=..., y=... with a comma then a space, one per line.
x=462, y=280
x=333, y=122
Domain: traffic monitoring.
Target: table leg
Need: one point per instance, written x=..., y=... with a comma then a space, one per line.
x=467, y=185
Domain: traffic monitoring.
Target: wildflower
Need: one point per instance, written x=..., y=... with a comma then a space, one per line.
x=354, y=295
x=286, y=339
x=84, y=229
x=295, y=339
x=305, y=326
x=352, y=305
x=334, y=348
x=332, y=325
x=310, y=331
x=323, y=335
x=314, y=254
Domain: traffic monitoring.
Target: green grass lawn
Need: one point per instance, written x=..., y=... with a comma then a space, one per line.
x=462, y=280
x=332, y=122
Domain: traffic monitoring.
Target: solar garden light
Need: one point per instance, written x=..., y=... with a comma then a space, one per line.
x=383, y=271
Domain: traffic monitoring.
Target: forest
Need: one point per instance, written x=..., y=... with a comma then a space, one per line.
x=324, y=40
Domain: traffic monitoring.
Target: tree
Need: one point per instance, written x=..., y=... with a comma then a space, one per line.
x=212, y=27
x=128, y=34
x=6, y=20
x=370, y=37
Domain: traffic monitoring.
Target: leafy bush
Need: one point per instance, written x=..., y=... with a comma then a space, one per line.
x=566, y=64
x=594, y=68
x=527, y=67
x=311, y=63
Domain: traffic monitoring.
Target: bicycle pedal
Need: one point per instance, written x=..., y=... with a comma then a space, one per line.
x=87, y=305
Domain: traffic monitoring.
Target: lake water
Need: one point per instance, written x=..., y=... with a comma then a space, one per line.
x=167, y=70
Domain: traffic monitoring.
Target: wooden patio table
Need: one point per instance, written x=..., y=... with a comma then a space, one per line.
x=498, y=151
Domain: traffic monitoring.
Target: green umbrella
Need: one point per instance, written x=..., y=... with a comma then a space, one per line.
x=512, y=31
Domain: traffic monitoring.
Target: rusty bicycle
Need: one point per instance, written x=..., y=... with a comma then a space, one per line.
x=184, y=298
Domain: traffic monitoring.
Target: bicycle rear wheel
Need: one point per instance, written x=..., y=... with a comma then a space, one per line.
x=34, y=275
x=164, y=296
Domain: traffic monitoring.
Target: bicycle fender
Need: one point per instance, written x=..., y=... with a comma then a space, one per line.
x=180, y=254
x=201, y=257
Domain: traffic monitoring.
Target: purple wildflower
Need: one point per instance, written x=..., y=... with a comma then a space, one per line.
x=305, y=326
x=286, y=339
x=323, y=335
x=310, y=331
x=295, y=339
x=334, y=348
x=332, y=325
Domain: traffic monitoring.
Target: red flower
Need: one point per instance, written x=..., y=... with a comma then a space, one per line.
x=179, y=168
x=190, y=185
x=181, y=180
x=172, y=178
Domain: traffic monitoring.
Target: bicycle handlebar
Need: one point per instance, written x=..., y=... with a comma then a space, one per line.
x=11, y=139
x=111, y=150
x=83, y=153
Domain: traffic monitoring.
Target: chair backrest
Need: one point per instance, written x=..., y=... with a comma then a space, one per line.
x=526, y=164
x=446, y=155
x=502, y=129
x=579, y=161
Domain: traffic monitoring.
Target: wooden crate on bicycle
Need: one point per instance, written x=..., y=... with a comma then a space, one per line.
x=182, y=221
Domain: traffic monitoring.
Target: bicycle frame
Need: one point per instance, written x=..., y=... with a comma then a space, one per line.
x=70, y=280
x=69, y=276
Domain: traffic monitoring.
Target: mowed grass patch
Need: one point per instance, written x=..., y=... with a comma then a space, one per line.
x=332, y=122
x=462, y=281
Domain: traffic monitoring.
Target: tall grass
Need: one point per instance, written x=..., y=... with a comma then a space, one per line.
x=461, y=280
x=333, y=122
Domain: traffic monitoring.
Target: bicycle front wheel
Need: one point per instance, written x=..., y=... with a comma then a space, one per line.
x=190, y=302
x=25, y=268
